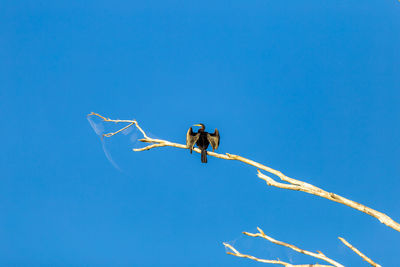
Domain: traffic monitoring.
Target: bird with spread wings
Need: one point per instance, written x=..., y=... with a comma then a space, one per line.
x=202, y=139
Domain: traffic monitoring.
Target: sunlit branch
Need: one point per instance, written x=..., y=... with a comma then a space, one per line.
x=318, y=255
x=278, y=262
x=359, y=253
x=300, y=186
x=292, y=184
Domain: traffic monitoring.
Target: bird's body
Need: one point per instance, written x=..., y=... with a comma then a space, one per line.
x=202, y=139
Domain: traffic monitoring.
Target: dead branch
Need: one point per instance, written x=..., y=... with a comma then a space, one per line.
x=318, y=255
x=278, y=262
x=359, y=253
x=292, y=184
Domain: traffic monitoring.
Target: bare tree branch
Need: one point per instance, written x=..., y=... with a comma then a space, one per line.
x=318, y=255
x=278, y=262
x=359, y=253
x=304, y=187
x=292, y=184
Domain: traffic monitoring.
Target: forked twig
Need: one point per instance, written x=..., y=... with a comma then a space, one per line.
x=318, y=255
x=236, y=253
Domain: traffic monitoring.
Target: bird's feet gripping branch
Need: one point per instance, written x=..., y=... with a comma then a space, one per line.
x=202, y=139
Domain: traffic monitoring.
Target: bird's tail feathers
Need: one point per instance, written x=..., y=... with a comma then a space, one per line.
x=204, y=156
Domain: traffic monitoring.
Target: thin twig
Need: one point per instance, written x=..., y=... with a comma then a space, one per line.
x=293, y=184
x=286, y=264
x=318, y=255
x=359, y=253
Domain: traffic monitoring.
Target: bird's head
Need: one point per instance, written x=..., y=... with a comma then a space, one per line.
x=200, y=125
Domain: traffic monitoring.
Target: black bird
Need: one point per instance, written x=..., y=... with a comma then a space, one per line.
x=202, y=139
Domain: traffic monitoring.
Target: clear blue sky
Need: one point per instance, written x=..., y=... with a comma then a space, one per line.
x=311, y=88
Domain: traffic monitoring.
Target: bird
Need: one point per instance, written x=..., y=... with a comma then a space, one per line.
x=202, y=139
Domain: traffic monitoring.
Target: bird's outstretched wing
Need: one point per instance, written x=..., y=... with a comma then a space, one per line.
x=213, y=138
x=191, y=138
